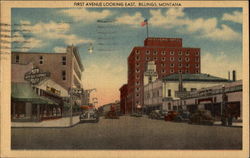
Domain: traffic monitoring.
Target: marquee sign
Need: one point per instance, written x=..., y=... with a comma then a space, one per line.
x=35, y=76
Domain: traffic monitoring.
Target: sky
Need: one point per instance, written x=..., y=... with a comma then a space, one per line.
x=216, y=31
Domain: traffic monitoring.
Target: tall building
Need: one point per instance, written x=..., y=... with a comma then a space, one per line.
x=64, y=68
x=169, y=57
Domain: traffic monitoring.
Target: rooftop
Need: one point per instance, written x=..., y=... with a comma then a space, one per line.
x=195, y=77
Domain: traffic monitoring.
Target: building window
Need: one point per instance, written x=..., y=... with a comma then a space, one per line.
x=137, y=58
x=155, y=58
x=137, y=52
x=163, y=53
x=148, y=52
x=163, y=71
x=197, y=65
x=148, y=58
x=197, y=59
x=17, y=58
x=137, y=77
x=137, y=94
x=187, y=65
x=172, y=59
x=137, y=70
x=171, y=71
x=187, y=53
x=171, y=65
x=137, y=83
x=155, y=52
x=41, y=59
x=63, y=75
x=64, y=60
x=180, y=65
x=187, y=71
x=137, y=89
x=169, y=92
x=163, y=59
x=169, y=106
x=197, y=53
x=172, y=53
x=180, y=53
x=180, y=71
x=162, y=64
x=137, y=64
x=197, y=71
x=179, y=59
x=187, y=59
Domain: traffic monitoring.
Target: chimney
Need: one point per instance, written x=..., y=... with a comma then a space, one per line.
x=234, y=75
x=228, y=75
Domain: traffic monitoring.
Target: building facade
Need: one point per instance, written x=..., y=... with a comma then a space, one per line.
x=64, y=68
x=123, y=101
x=163, y=93
x=169, y=56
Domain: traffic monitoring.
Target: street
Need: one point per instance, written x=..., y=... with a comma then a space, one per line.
x=128, y=133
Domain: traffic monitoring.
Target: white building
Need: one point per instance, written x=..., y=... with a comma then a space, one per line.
x=160, y=94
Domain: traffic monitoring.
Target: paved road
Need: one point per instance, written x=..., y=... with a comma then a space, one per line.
x=128, y=133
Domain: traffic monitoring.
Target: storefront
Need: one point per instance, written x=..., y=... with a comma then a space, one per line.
x=26, y=105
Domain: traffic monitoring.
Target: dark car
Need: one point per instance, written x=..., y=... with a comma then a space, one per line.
x=90, y=115
x=182, y=116
x=111, y=115
x=171, y=115
x=157, y=114
x=202, y=117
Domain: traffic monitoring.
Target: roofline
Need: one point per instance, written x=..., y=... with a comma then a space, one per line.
x=38, y=53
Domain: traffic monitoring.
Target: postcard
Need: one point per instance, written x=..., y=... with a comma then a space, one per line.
x=124, y=79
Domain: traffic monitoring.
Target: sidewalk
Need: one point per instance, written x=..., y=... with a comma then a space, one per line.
x=62, y=122
x=235, y=124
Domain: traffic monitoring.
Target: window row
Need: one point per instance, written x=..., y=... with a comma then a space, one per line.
x=172, y=65
x=164, y=71
x=148, y=52
x=171, y=59
x=41, y=59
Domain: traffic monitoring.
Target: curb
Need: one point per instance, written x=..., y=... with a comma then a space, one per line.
x=48, y=127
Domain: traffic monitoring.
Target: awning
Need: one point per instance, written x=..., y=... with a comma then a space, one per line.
x=23, y=92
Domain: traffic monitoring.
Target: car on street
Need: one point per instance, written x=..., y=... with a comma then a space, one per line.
x=182, y=116
x=90, y=115
x=157, y=114
x=170, y=116
x=201, y=117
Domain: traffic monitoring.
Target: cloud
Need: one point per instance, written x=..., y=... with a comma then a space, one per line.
x=132, y=20
x=205, y=28
x=220, y=64
x=85, y=15
x=52, y=31
x=59, y=49
x=236, y=17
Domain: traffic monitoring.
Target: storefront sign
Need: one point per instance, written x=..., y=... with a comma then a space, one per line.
x=35, y=76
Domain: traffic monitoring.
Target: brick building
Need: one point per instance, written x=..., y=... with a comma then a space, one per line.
x=64, y=68
x=123, y=97
x=169, y=57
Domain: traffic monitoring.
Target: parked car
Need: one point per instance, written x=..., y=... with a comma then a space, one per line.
x=90, y=115
x=171, y=115
x=136, y=114
x=201, y=117
x=182, y=116
x=157, y=114
x=111, y=115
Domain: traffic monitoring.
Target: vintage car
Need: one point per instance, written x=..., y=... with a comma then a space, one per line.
x=137, y=114
x=170, y=116
x=182, y=116
x=111, y=115
x=157, y=114
x=90, y=115
x=201, y=117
